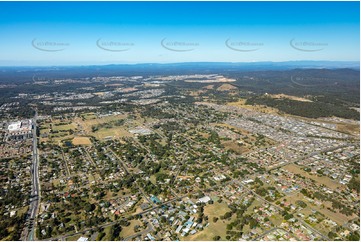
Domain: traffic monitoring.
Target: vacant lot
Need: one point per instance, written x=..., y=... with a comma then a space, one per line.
x=226, y=87
x=129, y=230
x=284, y=96
x=113, y=132
x=214, y=229
x=319, y=179
x=88, y=116
x=88, y=123
x=216, y=209
x=64, y=127
x=232, y=145
x=81, y=141
x=337, y=217
x=260, y=108
x=352, y=129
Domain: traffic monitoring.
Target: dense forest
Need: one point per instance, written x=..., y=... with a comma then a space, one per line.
x=306, y=109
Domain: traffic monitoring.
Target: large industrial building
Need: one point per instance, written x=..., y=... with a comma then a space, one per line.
x=20, y=127
x=19, y=130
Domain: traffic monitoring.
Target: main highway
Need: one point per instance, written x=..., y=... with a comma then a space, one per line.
x=35, y=189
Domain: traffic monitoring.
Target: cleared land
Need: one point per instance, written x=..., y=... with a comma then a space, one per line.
x=111, y=133
x=323, y=209
x=81, y=141
x=129, y=230
x=209, y=87
x=259, y=108
x=64, y=127
x=217, y=79
x=319, y=179
x=226, y=87
x=214, y=229
x=284, y=96
x=352, y=129
x=87, y=124
x=103, y=133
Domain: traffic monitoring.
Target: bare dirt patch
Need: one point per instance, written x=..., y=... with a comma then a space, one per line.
x=353, y=129
x=226, y=87
x=81, y=141
x=284, y=96
x=209, y=87
x=259, y=108
x=236, y=147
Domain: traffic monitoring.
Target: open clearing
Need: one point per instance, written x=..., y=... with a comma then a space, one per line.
x=337, y=217
x=81, y=141
x=64, y=127
x=113, y=133
x=284, y=96
x=232, y=145
x=88, y=116
x=209, y=87
x=259, y=108
x=352, y=129
x=87, y=124
x=214, y=229
x=319, y=179
x=216, y=209
x=129, y=230
x=226, y=87
x=103, y=133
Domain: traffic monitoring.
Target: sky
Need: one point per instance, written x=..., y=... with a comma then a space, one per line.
x=82, y=33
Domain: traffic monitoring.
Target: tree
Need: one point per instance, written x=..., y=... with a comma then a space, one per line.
x=89, y=207
x=100, y=236
x=253, y=223
x=115, y=231
x=354, y=236
x=216, y=238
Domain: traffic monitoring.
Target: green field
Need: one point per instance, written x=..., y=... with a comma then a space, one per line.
x=214, y=229
x=64, y=127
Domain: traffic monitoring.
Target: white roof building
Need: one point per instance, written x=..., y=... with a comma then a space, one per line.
x=204, y=199
x=83, y=239
x=14, y=126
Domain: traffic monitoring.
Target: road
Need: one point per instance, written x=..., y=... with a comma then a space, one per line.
x=157, y=206
x=270, y=231
x=146, y=231
x=324, y=237
x=310, y=155
x=64, y=236
x=66, y=163
x=128, y=173
x=35, y=188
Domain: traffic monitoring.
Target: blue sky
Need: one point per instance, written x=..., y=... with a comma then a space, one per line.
x=67, y=33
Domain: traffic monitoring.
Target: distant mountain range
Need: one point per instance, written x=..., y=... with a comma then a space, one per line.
x=234, y=65
x=25, y=73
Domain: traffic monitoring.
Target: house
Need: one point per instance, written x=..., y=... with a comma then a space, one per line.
x=179, y=229
x=150, y=236
x=204, y=199
x=12, y=213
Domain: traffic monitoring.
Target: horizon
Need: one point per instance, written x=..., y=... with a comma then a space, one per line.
x=193, y=62
x=105, y=33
